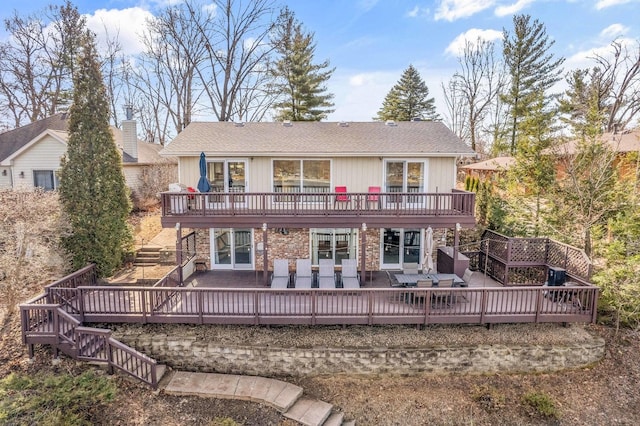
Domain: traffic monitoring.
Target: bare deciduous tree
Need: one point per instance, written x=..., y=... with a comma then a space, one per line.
x=619, y=81
x=30, y=252
x=474, y=90
x=36, y=63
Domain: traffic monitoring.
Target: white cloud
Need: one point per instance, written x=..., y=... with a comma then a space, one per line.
x=603, y=4
x=359, y=94
x=512, y=8
x=584, y=58
x=210, y=8
x=126, y=24
x=614, y=30
x=418, y=12
x=456, y=47
x=450, y=10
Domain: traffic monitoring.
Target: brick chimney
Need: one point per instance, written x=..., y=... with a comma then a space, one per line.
x=130, y=135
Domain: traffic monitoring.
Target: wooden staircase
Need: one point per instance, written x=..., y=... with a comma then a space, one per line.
x=148, y=256
x=50, y=324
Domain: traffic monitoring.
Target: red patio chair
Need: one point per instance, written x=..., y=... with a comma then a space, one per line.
x=373, y=196
x=341, y=195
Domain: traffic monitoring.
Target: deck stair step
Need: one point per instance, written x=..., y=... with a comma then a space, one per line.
x=148, y=255
x=336, y=418
x=309, y=412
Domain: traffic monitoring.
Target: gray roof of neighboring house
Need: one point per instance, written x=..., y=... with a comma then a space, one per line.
x=317, y=139
x=492, y=164
x=13, y=140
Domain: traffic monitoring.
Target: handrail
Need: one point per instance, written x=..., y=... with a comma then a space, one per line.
x=291, y=306
x=51, y=324
x=84, y=276
x=207, y=204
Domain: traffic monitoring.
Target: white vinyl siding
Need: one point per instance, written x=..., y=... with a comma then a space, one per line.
x=44, y=155
x=356, y=173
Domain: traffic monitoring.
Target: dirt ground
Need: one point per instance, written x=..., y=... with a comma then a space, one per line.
x=603, y=394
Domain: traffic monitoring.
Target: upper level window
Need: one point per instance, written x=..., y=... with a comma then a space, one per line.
x=404, y=176
x=45, y=179
x=301, y=176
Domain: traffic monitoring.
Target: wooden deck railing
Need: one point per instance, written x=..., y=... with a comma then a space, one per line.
x=525, y=261
x=212, y=204
x=50, y=324
x=361, y=306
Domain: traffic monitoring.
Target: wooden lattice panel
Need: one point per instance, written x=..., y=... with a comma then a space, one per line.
x=495, y=244
x=528, y=250
x=531, y=275
x=574, y=260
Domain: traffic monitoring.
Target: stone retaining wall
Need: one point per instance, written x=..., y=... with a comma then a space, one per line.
x=190, y=353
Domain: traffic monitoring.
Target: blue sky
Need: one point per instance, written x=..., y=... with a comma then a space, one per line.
x=370, y=42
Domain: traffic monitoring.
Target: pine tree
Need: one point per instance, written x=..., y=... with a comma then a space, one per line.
x=298, y=81
x=92, y=186
x=408, y=99
x=533, y=169
x=532, y=68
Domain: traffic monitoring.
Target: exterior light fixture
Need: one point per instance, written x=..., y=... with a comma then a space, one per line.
x=364, y=227
x=22, y=175
x=264, y=226
x=177, y=226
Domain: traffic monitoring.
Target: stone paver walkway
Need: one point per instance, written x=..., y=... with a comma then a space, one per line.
x=282, y=396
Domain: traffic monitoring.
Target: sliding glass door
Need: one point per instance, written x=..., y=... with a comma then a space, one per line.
x=400, y=246
x=405, y=176
x=231, y=248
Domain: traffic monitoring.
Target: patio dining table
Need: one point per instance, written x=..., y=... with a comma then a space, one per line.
x=411, y=280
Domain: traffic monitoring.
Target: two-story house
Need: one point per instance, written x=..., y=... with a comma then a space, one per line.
x=365, y=191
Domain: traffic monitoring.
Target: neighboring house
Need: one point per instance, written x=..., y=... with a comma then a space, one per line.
x=365, y=191
x=489, y=169
x=622, y=143
x=30, y=155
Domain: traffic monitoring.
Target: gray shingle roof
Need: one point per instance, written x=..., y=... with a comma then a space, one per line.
x=12, y=140
x=317, y=139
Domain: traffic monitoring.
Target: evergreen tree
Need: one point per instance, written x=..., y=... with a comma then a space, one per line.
x=408, y=99
x=532, y=69
x=533, y=170
x=92, y=186
x=298, y=81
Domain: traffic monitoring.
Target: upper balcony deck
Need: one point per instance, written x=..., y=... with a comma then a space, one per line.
x=394, y=209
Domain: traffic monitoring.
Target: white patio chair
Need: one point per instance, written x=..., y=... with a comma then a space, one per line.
x=303, y=276
x=410, y=268
x=445, y=296
x=326, y=274
x=280, y=276
x=349, y=276
x=422, y=284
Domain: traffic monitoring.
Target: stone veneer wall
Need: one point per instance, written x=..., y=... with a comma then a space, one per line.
x=294, y=245
x=193, y=354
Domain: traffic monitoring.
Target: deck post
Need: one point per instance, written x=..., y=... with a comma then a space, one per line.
x=179, y=252
x=363, y=256
x=456, y=242
x=265, y=259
